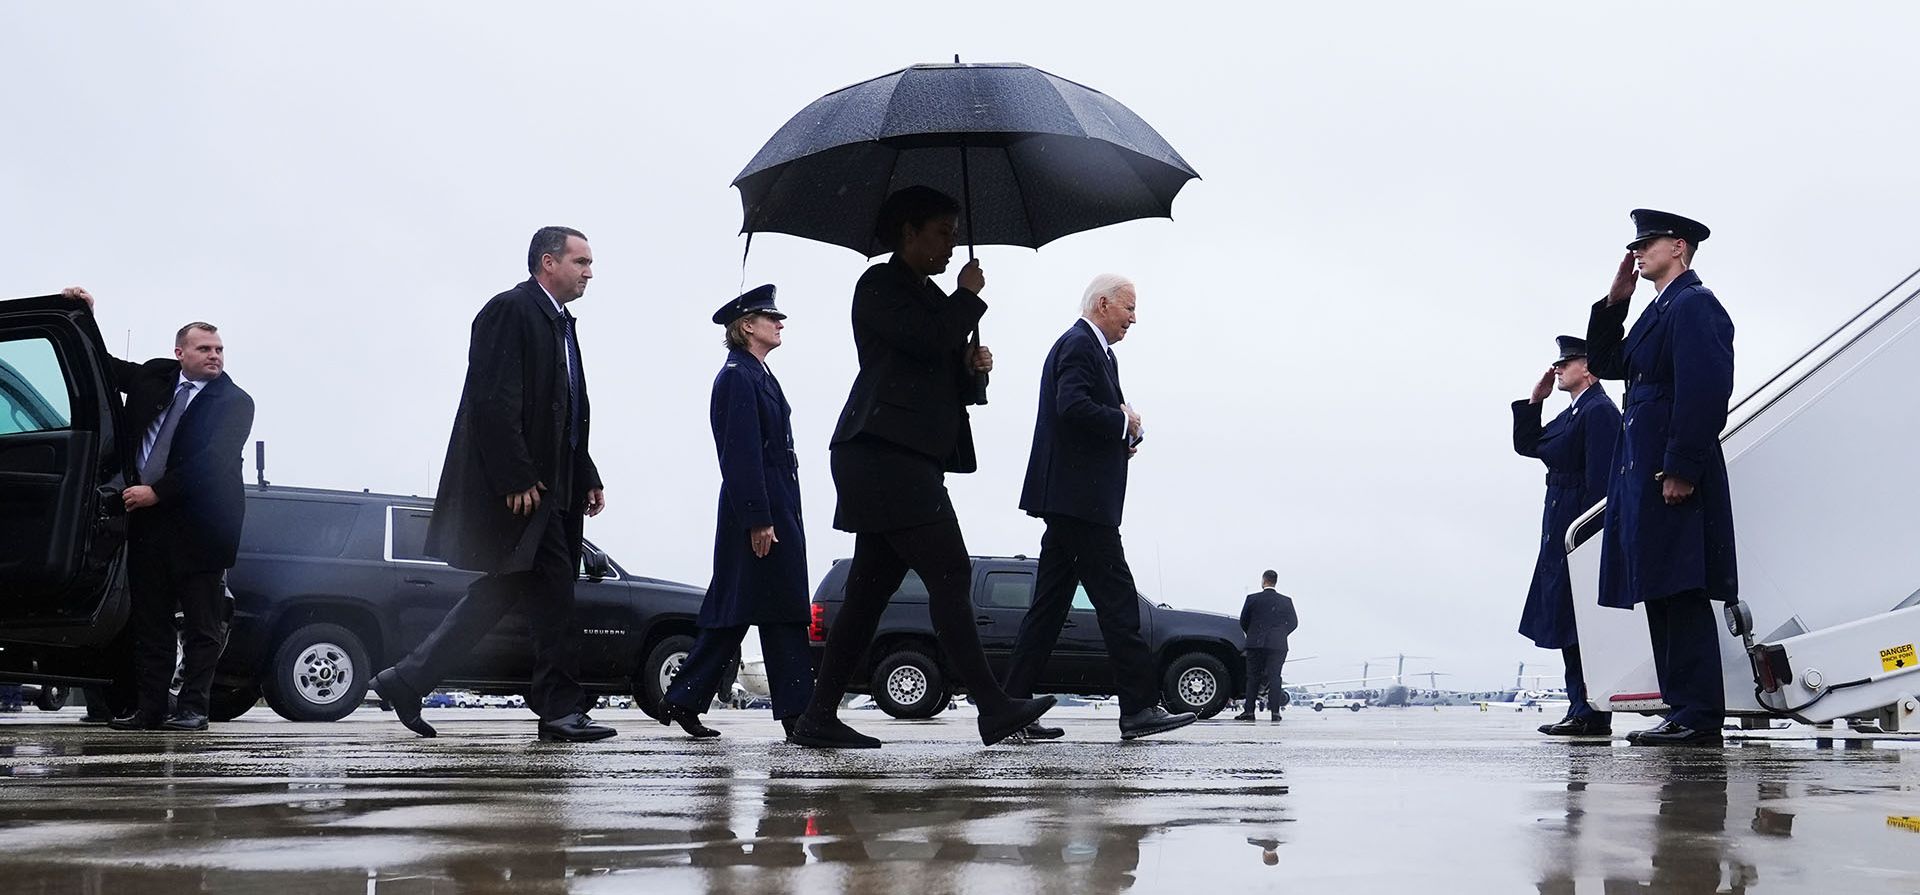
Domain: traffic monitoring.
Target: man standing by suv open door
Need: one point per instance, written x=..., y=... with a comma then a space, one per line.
x=1083, y=438
x=183, y=519
x=516, y=482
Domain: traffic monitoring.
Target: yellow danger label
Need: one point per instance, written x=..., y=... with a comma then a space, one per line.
x=1896, y=658
x=1905, y=823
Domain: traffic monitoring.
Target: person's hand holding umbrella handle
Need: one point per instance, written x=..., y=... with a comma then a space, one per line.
x=974, y=280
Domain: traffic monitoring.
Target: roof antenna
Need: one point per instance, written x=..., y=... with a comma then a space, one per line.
x=260, y=464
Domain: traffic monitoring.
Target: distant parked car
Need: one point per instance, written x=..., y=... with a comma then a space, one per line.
x=1322, y=703
x=1199, y=656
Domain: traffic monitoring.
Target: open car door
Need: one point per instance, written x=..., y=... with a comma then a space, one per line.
x=62, y=466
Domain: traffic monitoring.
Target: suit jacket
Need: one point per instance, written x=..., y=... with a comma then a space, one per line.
x=201, y=494
x=1078, y=464
x=1577, y=448
x=1268, y=618
x=1678, y=364
x=914, y=380
x=759, y=486
x=509, y=433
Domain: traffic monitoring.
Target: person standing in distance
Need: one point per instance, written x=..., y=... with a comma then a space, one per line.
x=1083, y=439
x=759, y=541
x=1669, y=542
x=1577, y=448
x=903, y=428
x=1267, y=618
x=516, y=483
x=184, y=512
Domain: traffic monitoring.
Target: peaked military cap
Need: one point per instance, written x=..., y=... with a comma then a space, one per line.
x=757, y=301
x=1650, y=224
x=1570, y=348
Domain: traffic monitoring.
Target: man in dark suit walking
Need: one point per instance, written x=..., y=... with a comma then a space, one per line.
x=1083, y=438
x=1267, y=618
x=185, y=502
x=516, y=483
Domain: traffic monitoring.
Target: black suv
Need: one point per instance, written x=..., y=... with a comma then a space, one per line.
x=330, y=585
x=1200, y=656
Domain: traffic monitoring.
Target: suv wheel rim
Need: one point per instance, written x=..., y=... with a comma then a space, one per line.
x=323, y=673
x=907, y=685
x=1198, y=686
x=671, y=668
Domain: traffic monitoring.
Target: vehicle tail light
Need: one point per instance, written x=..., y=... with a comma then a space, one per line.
x=817, y=628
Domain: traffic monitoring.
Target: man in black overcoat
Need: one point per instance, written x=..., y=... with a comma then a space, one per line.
x=185, y=500
x=516, y=483
x=1083, y=439
x=1267, y=618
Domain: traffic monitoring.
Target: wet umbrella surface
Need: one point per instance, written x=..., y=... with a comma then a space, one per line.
x=1452, y=800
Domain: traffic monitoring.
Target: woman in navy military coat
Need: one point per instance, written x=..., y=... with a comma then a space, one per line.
x=1577, y=448
x=759, y=544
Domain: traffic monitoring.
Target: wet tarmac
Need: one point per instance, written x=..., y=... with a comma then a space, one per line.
x=1383, y=800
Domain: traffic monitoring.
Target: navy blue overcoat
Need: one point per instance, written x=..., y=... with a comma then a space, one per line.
x=759, y=486
x=1577, y=447
x=1078, y=464
x=1678, y=365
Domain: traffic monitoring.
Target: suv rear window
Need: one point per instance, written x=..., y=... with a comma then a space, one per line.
x=410, y=534
x=1008, y=590
x=297, y=527
x=33, y=387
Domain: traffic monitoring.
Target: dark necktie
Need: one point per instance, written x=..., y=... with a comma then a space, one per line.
x=1113, y=365
x=573, y=383
x=155, y=465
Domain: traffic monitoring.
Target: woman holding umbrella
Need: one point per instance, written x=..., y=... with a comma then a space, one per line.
x=759, y=546
x=905, y=426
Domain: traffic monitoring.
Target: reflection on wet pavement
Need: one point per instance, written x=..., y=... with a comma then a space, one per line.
x=1392, y=800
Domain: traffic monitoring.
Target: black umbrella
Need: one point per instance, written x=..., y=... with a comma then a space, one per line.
x=1032, y=157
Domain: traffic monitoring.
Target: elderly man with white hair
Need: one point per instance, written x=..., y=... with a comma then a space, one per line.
x=1077, y=481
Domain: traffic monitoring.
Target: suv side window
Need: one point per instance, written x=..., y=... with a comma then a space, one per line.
x=1008, y=590
x=407, y=535
x=33, y=387
x=286, y=527
x=1080, y=598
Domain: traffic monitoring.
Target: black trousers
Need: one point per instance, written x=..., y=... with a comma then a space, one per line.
x=881, y=561
x=1264, y=668
x=789, y=667
x=1577, y=706
x=1686, y=657
x=158, y=587
x=1075, y=552
x=545, y=595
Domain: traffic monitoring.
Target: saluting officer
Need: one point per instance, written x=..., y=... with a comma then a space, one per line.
x=759, y=545
x=1669, y=521
x=1577, y=447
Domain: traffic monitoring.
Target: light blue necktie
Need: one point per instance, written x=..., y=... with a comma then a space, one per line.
x=155, y=465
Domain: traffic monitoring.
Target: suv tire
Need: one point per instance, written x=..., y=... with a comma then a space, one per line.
x=659, y=668
x=318, y=673
x=52, y=698
x=228, y=703
x=908, y=684
x=1197, y=683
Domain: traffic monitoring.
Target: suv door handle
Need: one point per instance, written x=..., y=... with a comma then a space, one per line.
x=423, y=582
x=983, y=620
x=1070, y=623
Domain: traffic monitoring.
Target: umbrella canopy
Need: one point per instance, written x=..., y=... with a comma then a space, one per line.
x=1034, y=157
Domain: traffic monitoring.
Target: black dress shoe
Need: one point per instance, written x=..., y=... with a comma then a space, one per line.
x=1244, y=716
x=138, y=721
x=1582, y=726
x=689, y=721
x=1013, y=718
x=828, y=733
x=1038, y=731
x=1149, y=721
x=1633, y=736
x=405, y=702
x=185, y=721
x=574, y=728
x=787, y=725
x=1276, y=716
x=1671, y=734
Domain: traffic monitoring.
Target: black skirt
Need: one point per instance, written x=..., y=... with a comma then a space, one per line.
x=885, y=487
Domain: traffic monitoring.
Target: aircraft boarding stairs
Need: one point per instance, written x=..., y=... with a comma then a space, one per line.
x=1824, y=463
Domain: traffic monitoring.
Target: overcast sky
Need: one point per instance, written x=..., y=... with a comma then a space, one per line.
x=1402, y=204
